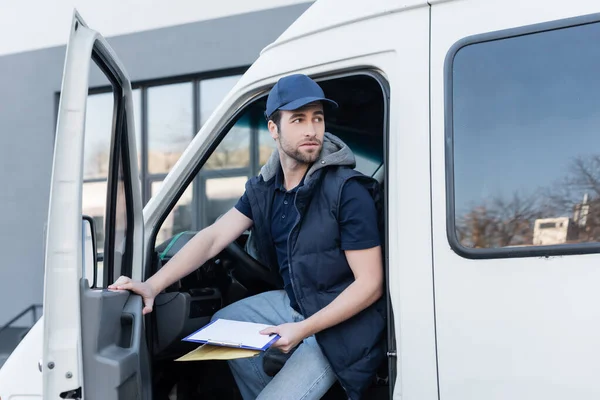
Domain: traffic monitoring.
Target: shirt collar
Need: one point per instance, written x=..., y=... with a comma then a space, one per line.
x=279, y=182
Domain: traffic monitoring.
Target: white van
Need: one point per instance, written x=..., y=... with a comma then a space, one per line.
x=466, y=112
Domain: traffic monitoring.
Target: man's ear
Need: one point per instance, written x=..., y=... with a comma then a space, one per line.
x=273, y=129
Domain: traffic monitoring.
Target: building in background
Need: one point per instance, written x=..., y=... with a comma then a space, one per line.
x=560, y=230
x=549, y=231
x=179, y=73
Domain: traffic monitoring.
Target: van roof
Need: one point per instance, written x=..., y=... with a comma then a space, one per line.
x=328, y=14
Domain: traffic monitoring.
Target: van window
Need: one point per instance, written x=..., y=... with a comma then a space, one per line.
x=525, y=150
x=222, y=179
x=247, y=146
x=99, y=119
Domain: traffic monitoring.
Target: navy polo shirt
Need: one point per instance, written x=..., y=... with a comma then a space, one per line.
x=358, y=222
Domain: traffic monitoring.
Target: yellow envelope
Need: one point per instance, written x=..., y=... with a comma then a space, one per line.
x=208, y=352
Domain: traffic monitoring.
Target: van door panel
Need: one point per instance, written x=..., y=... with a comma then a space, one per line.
x=93, y=338
x=509, y=326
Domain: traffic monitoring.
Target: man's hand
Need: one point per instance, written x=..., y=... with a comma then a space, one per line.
x=291, y=335
x=144, y=289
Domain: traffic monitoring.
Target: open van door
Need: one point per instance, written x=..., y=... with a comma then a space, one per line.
x=94, y=344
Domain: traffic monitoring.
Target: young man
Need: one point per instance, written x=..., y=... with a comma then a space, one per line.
x=315, y=218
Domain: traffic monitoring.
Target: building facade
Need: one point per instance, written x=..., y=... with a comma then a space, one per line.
x=179, y=75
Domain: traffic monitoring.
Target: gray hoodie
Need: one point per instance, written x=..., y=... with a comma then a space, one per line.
x=334, y=152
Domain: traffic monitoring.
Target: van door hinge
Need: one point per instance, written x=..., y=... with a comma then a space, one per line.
x=391, y=353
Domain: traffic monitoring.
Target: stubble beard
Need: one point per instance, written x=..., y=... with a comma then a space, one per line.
x=297, y=155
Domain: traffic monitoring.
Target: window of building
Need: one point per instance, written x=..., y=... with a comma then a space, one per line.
x=100, y=125
x=170, y=124
x=98, y=128
x=167, y=116
x=524, y=159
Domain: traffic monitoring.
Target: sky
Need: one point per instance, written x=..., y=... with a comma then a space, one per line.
x=524, y=109
x=35, y=24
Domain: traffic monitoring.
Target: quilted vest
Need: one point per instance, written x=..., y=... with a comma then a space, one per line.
x=319, y=270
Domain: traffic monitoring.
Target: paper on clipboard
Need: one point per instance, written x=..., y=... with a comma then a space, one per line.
x=233, y=334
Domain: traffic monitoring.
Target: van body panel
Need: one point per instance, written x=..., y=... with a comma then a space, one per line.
x=330, y=14
x=64, y=259
x=503, y=328
x=110, y=344
x=20, y=374
x=507, y=328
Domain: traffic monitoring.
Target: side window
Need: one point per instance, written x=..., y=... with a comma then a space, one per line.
x=119, y=255
x=223, y=177
x=243, y=150
x=98, y=130
x=170, y=128
x=170, y=125
x=236, y=159
x=247, y=146
x=525, y=151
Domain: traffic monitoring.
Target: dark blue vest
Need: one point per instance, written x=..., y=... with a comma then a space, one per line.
x=320, y=272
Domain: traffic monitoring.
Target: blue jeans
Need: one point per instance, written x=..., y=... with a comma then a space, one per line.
x=305, y=375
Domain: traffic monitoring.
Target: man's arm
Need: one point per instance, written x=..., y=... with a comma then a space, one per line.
x=367, y=288
x=203, y=246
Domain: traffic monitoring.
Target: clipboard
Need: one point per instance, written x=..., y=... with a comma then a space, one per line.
x=233, y=334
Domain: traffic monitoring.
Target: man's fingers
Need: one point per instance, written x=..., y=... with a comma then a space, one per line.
x=120, y=281
x=269, y=330
x=277, y=345
x=123, y=279
x=147, y=309
x=148, y=304
x=124, y=286
x=282, y=345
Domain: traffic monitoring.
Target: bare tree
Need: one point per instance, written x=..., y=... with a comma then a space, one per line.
x=233, y=151
x=500, y=222
x=578, y=195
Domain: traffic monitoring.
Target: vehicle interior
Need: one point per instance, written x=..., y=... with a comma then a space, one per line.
x=186, y=306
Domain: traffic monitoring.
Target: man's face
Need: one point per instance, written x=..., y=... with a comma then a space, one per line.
x=301, y=133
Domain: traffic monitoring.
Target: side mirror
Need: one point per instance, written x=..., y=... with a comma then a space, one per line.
x=89, y=256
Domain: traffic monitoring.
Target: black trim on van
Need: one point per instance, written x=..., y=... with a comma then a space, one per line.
x=119, y=156
x=506, y=252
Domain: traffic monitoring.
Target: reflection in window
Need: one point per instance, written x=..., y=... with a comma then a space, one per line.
x=98, y=127
x=94, y=205
x=180, y=218
x=98, y=131
x=170, y=125
x=525, y=139
x=266, y=144
x=222, y=194
x=234, y=149
x=212, y=92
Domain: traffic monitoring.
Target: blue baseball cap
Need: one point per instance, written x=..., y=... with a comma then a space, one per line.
x=293, y=92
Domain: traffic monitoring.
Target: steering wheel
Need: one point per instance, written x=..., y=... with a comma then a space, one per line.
x=250, y=266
